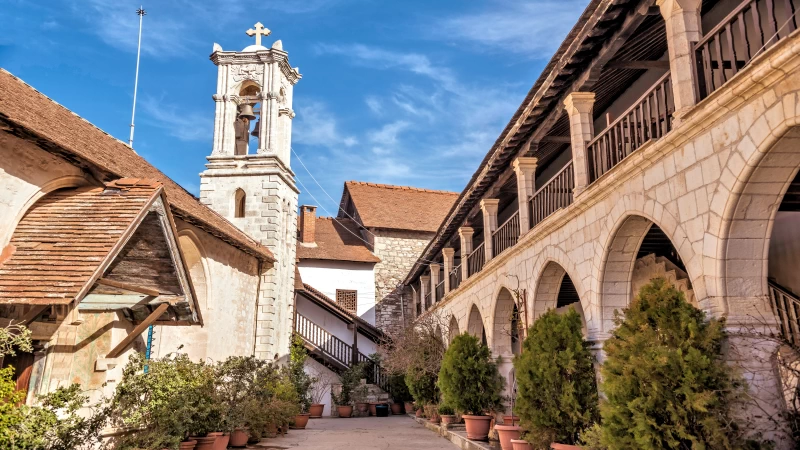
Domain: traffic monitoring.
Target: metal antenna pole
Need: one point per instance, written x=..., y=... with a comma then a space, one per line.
x=141, y=13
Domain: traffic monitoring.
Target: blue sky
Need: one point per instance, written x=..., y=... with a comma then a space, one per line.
x=405, y=92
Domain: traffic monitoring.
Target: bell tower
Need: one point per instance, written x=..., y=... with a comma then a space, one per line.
x=248, y=178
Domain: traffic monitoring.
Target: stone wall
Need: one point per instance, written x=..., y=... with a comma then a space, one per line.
x=398, y=251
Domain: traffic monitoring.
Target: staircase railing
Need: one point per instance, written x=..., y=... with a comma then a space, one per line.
x=787, y=307
x=330, y=345
x=374, y=373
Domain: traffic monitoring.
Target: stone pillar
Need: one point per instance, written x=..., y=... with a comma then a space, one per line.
x=466, y=248
x=489, y=209
x=579, y=108
x=424, y=285
x=435, y=270
x=525, y=168
x=447, y=254
x=682, y=18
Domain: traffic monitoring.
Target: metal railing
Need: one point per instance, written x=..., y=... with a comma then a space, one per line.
x=476, y=259
x=649, y=118
x=747, y=31
x=329, y=344
x=455, y=277
x=439, y=291
x=506, y=235
x=555, y=194
x=787, y=308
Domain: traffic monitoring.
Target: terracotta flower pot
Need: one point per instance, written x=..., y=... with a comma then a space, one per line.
x=397, y=408
x=222, y=440
x=519, y=444
x=362, y=407
x=418, y=413
x=301, y=420
x=316, y=410
x=345, y=411
x=447, y=419
x=372, y=408
x=204, y=443
x=478, y=427
x=187, y=445
x=505, y=433
x=239, y=437
x=435, y=418
x=555, y=446
x=409, y=407
x=510, y=420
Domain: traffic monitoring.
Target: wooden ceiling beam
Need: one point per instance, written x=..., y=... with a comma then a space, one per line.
x=128, y=287
x=646, y=65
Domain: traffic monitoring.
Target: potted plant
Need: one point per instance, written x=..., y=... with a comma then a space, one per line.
x=448, y=414
x=470, y=382
x=432, y=413
x=400, y=394
x=236, y=387
x=361, y=399
x=350, y=379
x=521, y=444
x=319, y=389
x=301, y=380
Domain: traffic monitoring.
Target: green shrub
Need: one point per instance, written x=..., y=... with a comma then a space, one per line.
x=556, y=388
x=469, y=379
x=398, y=388
x=422, y=386
x=297, y=371
x=666, y=383
x=350, y=380
x=446, y=410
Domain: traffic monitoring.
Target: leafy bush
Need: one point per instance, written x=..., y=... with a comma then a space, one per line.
x=666, y=383
x=236, y=384
x=446, y=410
x=398, y=388
x=556, y=388
x=297, y=371
x=422, y=386
x=469, y=379
x=350, y=380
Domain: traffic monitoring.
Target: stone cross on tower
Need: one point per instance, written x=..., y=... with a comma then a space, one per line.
x=258, y=30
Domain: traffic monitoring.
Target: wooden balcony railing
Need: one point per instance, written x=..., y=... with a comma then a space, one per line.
x=787, y=308
x=329, y=344
x=439, y=291
x=506, y=235
x=427, y=302
x=476, y=259
x=747, y=31
x=455, y=277
x=649, y=118
x=555, y=194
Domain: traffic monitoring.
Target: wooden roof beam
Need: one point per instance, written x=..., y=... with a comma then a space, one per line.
x=119, y=348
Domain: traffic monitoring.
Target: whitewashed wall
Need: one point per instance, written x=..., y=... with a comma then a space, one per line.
x=333, y=325
x=328, y=276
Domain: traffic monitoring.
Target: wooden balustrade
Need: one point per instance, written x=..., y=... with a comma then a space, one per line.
x=476, y=259
x=317, y=336
x=455, y=277
x=747, y=31
x=374, y=373
x=439, y=291
x=649, y=118
x=506, y=235
x=555, y=194
x=427, y=303
x=787, y=309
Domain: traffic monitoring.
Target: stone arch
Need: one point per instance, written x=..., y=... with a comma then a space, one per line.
x=475, y=324
x=555, y=289
x=749, y=216
x=623, y=271
x=239, y=203
x=453, y=330
x=195, y=261
x=505, y=329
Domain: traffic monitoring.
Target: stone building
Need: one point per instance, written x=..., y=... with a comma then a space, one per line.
x=97, y=245
x=661, y=140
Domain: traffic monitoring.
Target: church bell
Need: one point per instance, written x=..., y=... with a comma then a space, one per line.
x=246, y=112
x=256, y=130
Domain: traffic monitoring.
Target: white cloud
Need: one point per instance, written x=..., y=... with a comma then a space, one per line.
x=186, y=126
x=374, y=104
x=316, y=126
x=532, y=28
x=386, y=136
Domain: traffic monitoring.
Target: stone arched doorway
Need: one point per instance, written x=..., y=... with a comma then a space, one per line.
x=452, y=330
x=475, y=324
x=506, y=325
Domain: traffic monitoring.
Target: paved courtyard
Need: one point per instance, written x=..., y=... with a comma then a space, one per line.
x=360, y=433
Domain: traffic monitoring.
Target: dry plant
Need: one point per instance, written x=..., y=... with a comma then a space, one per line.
x=417, y=346
x=321, y=385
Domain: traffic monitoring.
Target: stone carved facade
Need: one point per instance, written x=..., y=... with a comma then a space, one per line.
x=262, y=177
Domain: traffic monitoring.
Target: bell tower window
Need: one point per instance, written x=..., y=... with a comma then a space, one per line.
x=247, y=112
x=239, y=203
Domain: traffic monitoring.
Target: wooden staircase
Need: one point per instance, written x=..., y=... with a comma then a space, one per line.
x=651, y=266
x=786, y=306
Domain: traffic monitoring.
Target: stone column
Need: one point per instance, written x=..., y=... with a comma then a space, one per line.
x=466, y=248
x=579, y=108
x=447, y=254
x=424, y=285
x=489, y=209
x=525, y=168
x=682, y=18
x=435, y=270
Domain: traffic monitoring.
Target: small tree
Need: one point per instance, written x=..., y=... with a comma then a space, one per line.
x=297, y=371
x=666, y=383
x=469, y=379
x=422, y=386
x=556, y=388
x=350, y=379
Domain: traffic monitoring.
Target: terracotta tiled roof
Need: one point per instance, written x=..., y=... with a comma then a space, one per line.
x=326, y=302
x=31, y=115
x=66, y=237
x=336, y=240
x=399, y=207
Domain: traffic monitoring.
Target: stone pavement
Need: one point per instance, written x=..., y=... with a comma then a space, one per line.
x=360, y=433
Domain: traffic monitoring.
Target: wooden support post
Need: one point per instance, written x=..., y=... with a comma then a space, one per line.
x=355, y=343
x=116, y=351
x=31, y=315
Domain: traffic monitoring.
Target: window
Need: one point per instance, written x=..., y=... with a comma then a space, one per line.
x=347, y=299
x=239, y=203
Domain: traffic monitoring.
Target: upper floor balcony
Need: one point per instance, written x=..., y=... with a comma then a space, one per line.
x=608, y=92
